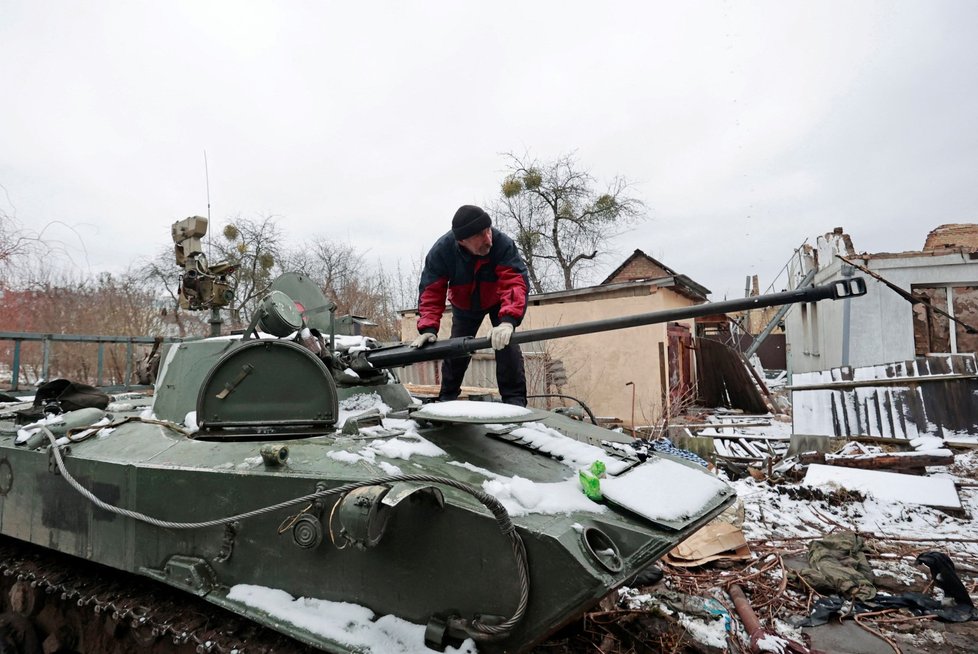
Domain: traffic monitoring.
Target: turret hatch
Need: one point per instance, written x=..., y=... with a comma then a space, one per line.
x=267, y=386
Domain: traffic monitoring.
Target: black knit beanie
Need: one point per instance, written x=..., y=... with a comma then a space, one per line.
x=469, y=221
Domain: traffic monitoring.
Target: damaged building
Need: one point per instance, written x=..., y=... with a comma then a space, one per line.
x=899, y=362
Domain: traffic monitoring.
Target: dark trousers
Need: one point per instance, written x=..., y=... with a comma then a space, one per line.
x=510, y=375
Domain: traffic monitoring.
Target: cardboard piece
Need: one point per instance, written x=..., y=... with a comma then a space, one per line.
x=716, y=540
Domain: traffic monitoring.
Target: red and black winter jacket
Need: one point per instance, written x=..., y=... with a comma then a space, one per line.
x=472, y=284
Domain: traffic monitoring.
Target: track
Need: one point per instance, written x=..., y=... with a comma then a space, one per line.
x=56, y=603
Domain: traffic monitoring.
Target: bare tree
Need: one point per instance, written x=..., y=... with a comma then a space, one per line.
x=254, y=247
x=14, y=242
x=335, y=267
x=27, y=253
x=109, y=305
x=344, y=276
x=20, y=247
x=560, y=223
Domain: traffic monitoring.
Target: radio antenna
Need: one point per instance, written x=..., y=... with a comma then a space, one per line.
x=207, y=185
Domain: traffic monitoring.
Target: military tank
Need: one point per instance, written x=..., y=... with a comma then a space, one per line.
x=284, y=475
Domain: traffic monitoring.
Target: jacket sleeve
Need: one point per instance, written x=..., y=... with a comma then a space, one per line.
x=513, y=285
x=432, y=292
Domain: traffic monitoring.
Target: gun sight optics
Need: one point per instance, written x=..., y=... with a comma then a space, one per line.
x=201, y=286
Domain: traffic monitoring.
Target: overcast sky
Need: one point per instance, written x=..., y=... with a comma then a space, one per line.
x=746, y=127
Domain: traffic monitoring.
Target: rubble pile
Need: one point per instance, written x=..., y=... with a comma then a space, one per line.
x=864, y=546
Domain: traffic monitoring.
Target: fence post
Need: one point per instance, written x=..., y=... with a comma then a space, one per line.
x=46, y=346
x=14, y=376
x=128, y=363
x=98, y=366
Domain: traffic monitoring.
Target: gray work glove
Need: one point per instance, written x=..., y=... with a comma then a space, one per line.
x=500, y=334
x=424, y=339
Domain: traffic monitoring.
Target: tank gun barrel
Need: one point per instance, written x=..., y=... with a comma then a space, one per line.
x=401, y=355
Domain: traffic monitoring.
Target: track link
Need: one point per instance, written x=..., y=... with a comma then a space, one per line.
x=73, y=605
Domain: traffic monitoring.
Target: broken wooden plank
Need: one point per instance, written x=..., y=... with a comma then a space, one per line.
x=967, y=442
x=749, y=447
x=889, y=460
x=964, y=441
x=777, y=438
x=717, y=425
x=894, y=381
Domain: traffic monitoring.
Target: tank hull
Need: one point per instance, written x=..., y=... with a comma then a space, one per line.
x=440, y=552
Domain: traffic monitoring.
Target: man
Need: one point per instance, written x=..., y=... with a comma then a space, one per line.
x=481, y=272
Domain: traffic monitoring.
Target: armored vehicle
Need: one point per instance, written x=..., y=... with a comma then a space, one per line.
x=285, y=475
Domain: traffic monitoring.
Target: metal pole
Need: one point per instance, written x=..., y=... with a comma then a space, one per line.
x=332, y=328
x=15, y=374
x=781, y=313
x=632, y=384
x=98, y=365
x=46, y=347
x=755, y=631
x=125, y=383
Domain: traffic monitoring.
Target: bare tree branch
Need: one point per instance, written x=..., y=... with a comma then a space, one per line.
x=560, y=223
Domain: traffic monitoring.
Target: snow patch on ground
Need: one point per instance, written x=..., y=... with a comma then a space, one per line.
x=909, y=489
x=770, y=513
x=771, y=643
x=712, y=633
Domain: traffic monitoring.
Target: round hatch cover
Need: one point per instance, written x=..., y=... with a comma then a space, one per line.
x=308, y=297
x=279, y=315
x=479, y=413
x=267, y=383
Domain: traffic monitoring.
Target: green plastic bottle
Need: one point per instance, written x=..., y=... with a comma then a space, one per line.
x=591, y=480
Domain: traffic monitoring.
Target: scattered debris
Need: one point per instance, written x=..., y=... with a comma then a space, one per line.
x=760, y=639
x=716, y=541
x=913, y=462
x=725, y=379
x=901, y=509
x=907, y=489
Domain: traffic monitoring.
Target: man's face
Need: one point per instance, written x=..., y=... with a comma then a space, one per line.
x=478, y=244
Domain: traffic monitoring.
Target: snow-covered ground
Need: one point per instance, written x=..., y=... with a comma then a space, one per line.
x=781, y=515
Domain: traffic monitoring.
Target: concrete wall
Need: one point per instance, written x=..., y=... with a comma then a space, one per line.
x=599, y=365
x=879, y=327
